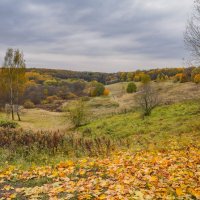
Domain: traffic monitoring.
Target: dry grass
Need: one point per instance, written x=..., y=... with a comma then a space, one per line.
x=37, y=119
x=168, y=91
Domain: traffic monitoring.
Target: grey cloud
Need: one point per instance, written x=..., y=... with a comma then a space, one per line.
x=95, y=31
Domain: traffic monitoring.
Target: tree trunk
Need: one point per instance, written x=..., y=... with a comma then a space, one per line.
x=12, y=111
x=11, y=101
x=18, y=115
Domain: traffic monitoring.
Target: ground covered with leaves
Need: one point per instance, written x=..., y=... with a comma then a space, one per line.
x=173, y=174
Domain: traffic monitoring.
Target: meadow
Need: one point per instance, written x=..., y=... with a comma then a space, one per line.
x=117, y=154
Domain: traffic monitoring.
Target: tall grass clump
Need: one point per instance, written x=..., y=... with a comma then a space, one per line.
x=32, y=146
x=8, y=124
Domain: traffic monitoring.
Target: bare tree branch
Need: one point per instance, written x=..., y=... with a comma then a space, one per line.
x=192, y=34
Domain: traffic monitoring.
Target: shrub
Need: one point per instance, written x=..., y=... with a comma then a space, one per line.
x=51, y=99
x=197, y=78
x=85, y=98
x=29, y=104
x=8, y=124
x=180, y=78
x=51, y=82
x=97, y=89
x=106, y=92
x=195, y=71
x=43, y=102
x=161, y=77
x=131, y=87
x=77, y=113
x=71, y=95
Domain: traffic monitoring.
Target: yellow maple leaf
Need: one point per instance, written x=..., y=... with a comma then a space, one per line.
x=179, y=191
x=8, y=187
x=102, y=196
x=153, y=179
x=13, y=196
x=194, y=193
x=82, y=172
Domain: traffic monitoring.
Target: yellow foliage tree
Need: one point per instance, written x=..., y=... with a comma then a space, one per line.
x=197, y=78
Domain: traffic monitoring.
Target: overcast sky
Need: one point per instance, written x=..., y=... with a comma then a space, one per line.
x=95, y=35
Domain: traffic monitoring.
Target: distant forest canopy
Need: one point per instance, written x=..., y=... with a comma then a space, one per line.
x=68, y=74
x=49, y=88
x=110, y=78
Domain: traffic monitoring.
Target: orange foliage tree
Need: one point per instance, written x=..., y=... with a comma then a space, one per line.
x=106, y=92
x=180, y=77
x=197, y=78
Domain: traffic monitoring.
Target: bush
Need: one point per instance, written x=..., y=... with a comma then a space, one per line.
x=43, y=102
x=131, y=88
x=197, y=78
x=85, y=98
x=106, y=92
x=51, y=99
x=29, y=104
x=51, y=82
x=71, y=95
x=180, y=78
x=97, y=89
x=195, y=72
x=8, y=124
x=161, y=77
x=77, y=113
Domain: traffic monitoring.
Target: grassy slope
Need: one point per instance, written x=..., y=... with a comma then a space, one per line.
x=37, y=119
x=116, y=102
x=178, y=123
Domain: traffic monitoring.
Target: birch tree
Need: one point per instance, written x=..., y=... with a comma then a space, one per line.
x=13, y=73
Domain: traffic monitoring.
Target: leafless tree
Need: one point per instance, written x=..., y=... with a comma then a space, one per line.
x=192, y=33
x=148, y=98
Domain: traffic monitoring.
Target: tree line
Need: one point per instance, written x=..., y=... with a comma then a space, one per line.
x=180, y=74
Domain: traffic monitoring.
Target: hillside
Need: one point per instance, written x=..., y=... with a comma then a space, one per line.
x=117, y=154
x=117, y=102
x=169, y=126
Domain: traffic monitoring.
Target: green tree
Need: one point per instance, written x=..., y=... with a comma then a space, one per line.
x=96, y=89
x=145, y=78
x=123, y=76
x=131, y=87
x=130, y=76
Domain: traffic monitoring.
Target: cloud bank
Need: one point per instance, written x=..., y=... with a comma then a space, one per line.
x=95, y=35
